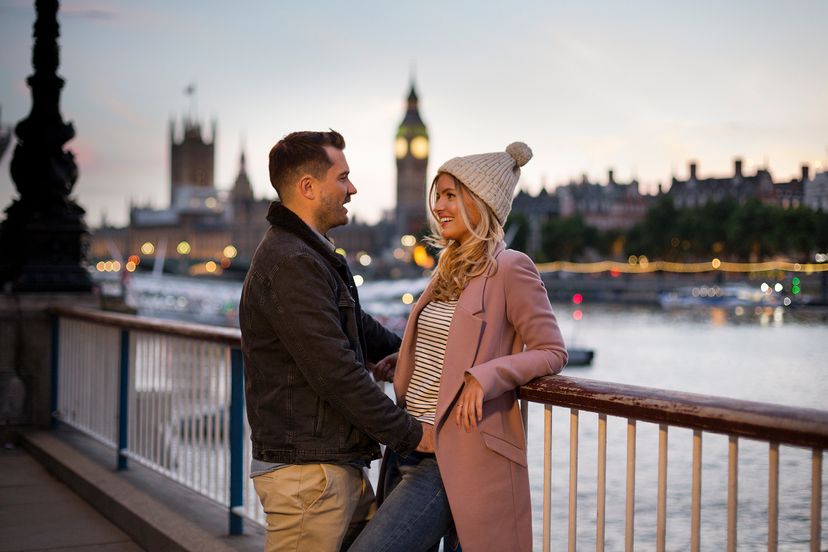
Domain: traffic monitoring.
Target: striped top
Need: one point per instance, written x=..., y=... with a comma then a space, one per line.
x=430, y=349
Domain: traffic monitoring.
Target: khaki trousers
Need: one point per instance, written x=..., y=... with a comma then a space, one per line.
x=314, y=507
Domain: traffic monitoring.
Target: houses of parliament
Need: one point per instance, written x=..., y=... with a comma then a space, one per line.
x=205, y=230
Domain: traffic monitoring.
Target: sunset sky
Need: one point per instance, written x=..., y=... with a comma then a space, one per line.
x=641, y=87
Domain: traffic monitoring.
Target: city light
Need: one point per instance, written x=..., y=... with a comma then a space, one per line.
x=210, y=266
x=340, y=251
x=147, y=248
x=777, y=287
x=399, y=253
x=577, y=298
x=408, y=240
x=230, y=252
x=407, y=299
x=786, y=301
x=130, y=266
x=101, y=266
x=764, y=287
x=716, y=263
x=363, y=258
x=795, y=290
x=577, y=314
x=358, y=280
x=422, y=258
x=134, y=259
x=632, y=267
x=183, y=248
x=795, y=281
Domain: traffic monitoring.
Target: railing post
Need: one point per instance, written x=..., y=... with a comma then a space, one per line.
x=236, y=440
x=123, y=401
x=55, y=372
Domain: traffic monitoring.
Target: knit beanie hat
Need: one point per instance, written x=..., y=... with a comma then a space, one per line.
x=491, y=176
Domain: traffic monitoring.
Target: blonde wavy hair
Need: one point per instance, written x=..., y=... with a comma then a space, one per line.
x=459, y=263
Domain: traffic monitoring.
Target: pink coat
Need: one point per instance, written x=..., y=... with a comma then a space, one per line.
x=485, y=472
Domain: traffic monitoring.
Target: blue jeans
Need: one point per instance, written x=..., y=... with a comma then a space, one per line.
x=415, y=514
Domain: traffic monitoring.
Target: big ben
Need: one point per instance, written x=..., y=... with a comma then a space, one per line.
x=411, y=150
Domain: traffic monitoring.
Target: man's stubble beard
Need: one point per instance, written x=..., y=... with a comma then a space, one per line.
x=331, y=215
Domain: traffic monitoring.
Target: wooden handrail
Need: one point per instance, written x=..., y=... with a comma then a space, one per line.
x=755, y=420
x=229, y=336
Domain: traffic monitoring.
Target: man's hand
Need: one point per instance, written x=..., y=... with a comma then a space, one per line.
x=427, y=441
x=384, y=369
x=469, y=407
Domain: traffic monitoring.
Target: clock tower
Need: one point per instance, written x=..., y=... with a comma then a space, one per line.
x=411, y=150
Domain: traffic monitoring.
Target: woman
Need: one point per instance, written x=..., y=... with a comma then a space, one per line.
x=482, y=328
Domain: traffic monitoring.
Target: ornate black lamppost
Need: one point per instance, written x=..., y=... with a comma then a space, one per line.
x=42, y=240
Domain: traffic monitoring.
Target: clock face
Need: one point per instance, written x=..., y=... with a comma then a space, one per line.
x=401, y=147
x=419, y=147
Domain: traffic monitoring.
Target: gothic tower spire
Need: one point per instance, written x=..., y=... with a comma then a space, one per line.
x=411, y=150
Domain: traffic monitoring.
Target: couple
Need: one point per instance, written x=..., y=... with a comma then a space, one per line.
x=456, y=464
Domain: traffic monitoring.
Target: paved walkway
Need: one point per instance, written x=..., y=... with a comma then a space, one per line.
x=38, y=512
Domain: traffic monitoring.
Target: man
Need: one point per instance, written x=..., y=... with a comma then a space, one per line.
x=315, y=413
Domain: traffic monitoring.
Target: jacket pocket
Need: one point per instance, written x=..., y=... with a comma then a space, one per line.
x=344, y=300
x=319, y=419
x=505, y=448
x=347, y=317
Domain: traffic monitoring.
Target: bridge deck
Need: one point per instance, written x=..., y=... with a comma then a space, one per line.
x=38, y=512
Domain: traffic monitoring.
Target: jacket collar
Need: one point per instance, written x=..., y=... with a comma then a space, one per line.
x=281, y=217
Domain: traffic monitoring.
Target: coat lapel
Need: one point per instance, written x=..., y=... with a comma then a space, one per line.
x=461, y=350
x=405, y=362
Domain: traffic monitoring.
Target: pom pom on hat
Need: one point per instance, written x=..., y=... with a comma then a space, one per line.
x=491, y=176
x=520, y=152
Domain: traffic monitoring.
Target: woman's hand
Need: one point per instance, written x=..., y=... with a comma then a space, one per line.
x=384, y=369
x=469, y=407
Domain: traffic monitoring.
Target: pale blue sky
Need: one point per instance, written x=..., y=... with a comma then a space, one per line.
x=638, y=86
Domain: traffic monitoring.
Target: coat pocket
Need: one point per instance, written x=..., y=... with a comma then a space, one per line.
x=505, y=448
x=319, y=419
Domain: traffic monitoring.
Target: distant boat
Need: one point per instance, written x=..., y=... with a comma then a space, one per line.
x=727, y=295
x=580, y=357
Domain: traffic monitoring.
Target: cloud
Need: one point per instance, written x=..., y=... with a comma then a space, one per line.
x=96, y=11
x=94, y=14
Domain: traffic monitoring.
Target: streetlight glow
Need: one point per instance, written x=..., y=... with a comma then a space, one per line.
x=183, y=248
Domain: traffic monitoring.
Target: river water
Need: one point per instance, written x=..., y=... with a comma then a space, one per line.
x=772, y=356
x=775, y=355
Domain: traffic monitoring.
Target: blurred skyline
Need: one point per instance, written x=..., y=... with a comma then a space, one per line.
x=641, y=87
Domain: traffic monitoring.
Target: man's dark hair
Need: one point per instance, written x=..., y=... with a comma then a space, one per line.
x=301, y=152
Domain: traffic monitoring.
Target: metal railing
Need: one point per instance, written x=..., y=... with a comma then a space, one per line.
x=169, y=395
x=738, y=420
